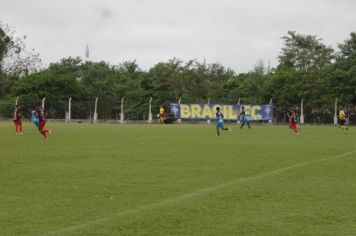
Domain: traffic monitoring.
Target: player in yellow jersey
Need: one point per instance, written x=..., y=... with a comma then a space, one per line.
x=161, y=115
x=342, y=120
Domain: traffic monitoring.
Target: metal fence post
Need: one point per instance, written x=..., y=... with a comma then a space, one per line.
x=150, y=111
x=271, y=103
x=335, y=113
x=179, y=120
x=122, y=111
x=95, y=117
x=238, y=115
x=302, y=111
x=43, y=103
x=208, y=120
x=69, y=109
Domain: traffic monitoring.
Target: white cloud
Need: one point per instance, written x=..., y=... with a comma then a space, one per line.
x=236, y=33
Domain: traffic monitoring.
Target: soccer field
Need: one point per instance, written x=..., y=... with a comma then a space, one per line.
x=177, y=180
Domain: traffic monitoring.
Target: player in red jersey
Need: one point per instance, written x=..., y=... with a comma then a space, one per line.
x=292, y=122
x=17, y=119
x=42, y=117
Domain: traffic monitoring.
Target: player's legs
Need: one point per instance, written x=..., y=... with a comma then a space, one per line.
x=16, y=127
x=49, y=131
x=219, y=125
x=42, y=129
x=245, y=122
x=36, y=123
x=20, y=126
x=224, y=128
x=160, y=120
x=346, y=126
x=294, y=127
x=343, y=125
x=248, y=125
x=44, y=133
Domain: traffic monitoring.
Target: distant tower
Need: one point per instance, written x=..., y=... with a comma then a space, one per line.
x=87, y=53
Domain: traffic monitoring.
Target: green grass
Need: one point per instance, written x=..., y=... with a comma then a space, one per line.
x=177, y=180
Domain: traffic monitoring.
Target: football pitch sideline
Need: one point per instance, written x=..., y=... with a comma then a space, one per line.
x=177, y=180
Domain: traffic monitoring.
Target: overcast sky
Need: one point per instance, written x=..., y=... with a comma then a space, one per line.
x=236, y=33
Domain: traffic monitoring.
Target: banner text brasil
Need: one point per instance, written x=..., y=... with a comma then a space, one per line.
x=231, y=112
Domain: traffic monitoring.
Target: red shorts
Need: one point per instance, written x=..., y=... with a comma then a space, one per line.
x=17, y=122
x=42, y=124
x=293, y=126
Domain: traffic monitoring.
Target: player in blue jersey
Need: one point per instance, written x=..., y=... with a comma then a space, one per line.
x=243, y=118
x=34, y=117
x=220, y=121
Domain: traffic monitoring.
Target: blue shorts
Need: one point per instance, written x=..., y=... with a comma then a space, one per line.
x=36, y=122
x=245, y=121
x=220, y=124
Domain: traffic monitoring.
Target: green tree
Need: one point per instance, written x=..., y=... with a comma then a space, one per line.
x=304, y=52
x=249, y=86
x=55, y=87
x=15, y=59
x=303, y=72
x=344, y=72
x=129, y=86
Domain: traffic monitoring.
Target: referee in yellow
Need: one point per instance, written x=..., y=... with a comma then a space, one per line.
x=342, y=120
x=161, y=115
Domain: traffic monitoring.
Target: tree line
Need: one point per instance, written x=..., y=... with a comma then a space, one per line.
x=307, y=68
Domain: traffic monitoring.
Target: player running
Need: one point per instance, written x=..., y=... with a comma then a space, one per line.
x=220, y=121
x=42, y=117
x=17, y=115
x=292, y=122
x=342, y=120
x=34, y=117
x=243, y=119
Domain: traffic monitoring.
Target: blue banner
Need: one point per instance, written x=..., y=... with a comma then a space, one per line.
x=230, y=112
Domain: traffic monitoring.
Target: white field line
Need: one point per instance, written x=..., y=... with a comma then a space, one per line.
x=190, y=195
